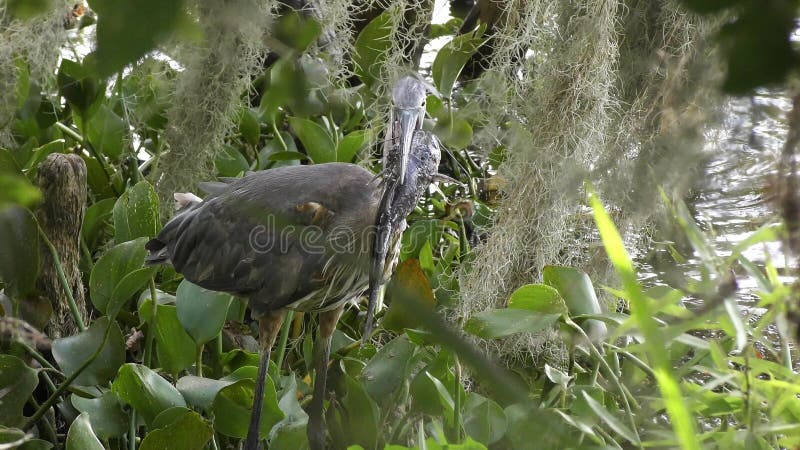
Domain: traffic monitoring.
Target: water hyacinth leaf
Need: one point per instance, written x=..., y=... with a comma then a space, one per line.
x=609, y=419
x=456, y=134
x=146, y=391
x=384, y=372
x=111, y=268
x=200, y=392
x=350, y=145
x=538, y=297
x=290, y=432
x=106, y=132
x=578, y=293
x=230, y=162
x=287, y=156
x=201, y=312
x=127, y=287
x=72, y=352
x=136, y=213
x=484, y=419
x=359, y=414
x=498, y=323
x=408, y=280
x=174, y=347
x=81, y=436
x=189, y=431
x=106, y=414
x=316, y=141
x=35, y=444
x=19, y=251
x=122, y=40
x=17, y=382
x=249, y=128
x=450, y=60
x=296, y=31
x=233, y=405
x=371, y=48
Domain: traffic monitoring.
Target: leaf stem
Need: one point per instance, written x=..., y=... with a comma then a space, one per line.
x=199, y=361
x=287, y=324
x=151, y=332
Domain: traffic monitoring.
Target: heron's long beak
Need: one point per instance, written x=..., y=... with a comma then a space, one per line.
x=408, y=121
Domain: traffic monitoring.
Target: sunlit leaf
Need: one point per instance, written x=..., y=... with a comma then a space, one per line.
x=497, y=323
x=537, y=297
x=371, y=48
x=350, y=145
x=189, y=431
x=233, y=405
x=111, y=268
x=451, y=58
x=200, y=392
x=174, y=347
x=201, y=312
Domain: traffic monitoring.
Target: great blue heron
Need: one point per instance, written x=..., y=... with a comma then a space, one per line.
x=298, y=237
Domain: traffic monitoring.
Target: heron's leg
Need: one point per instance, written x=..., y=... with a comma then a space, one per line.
x=316, y=425
x=268, y=327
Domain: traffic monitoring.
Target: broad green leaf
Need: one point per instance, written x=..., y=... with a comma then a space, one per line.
x=27, y=9
x=189, y=431
x=577, y=291
x=455, y=134
x=233, y=405
x=106, y=131
x=497, y=323
x=358, y=415
x=79, y=87
x=174, y=347
x=19, y=251
x=72, y=352
x=371, y=48
x=81, y=436
x=450, y=60
x=230, y=162
x=315, y=140
x=111, y=268
x=121, y=36
x=484, y=419
x=384, y=372
x=201, y=312
x=106, y=414
x=136, y=213
x=538, y=297
x=200, y=392
x=287, y=156
x=296, y=31
x=146, y=391
x=127, y=288
x=14, y=438
x=17, y=382
x=350, y=145
x=249, y=128
x=290, y=432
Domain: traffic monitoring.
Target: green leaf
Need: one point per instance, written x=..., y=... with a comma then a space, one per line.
x=81, y=436
x=189, y=431
x=106, y=414
x=609, y=419
x=77, y=85
x=107, y=131
x=290, y=432
x=17, y=382
x=147, y=392
x=497, y=323
x=111, y=268
x=201, y=312
x=316, y=141
x=174, y=347
x=538, y=297
x=249, y=128
x=27, y=9
x=42, y=152
x=456, y=134
x=371, y=48
x=136, y=213
x=287, y=156
x=358, y=414
x=121, y=36
x=73, y=351
x=230, y=162
x=384, y=372
x=450, y=60
x=19, y=251
x=484, y=419
x=350, y=145
x=17, y=190
x=233, y=405
x=577, y=291
x=200, y=392
x=296, y=31
x=127, y=287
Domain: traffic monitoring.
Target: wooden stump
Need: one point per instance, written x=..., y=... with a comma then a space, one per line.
x=62, y=180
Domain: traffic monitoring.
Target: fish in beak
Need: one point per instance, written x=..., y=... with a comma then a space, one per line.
x=398, y=200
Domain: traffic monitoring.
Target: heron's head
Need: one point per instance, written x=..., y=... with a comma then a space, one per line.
x=408, y=98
